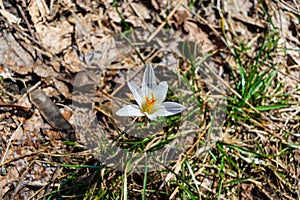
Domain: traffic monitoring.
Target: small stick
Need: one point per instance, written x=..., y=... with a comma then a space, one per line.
x=26, y=109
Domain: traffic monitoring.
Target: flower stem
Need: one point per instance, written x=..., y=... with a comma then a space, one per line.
x=147, y=122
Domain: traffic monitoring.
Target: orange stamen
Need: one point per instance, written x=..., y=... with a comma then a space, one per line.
x=150, y=102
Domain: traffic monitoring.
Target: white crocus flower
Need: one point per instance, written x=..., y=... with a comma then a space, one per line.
x=150, y=99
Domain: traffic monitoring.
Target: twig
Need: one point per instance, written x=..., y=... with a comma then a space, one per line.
x=164, y=23
x=9, y=144
x=26, y=20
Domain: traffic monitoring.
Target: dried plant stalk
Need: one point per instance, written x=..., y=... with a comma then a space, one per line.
x=52, y=114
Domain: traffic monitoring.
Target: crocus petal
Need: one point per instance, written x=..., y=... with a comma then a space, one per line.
x=149, y=80
x=170, y=108
x=151, y=116
x=160, y=92
x=131, y=110
x=137, y=93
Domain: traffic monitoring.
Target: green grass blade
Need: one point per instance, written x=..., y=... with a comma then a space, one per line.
x=193, y=175
x=271, y=107
x=145, y=181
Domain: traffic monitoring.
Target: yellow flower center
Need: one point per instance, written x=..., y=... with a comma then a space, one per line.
x=149, y=103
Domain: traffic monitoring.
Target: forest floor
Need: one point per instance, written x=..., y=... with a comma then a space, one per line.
x=64, y=69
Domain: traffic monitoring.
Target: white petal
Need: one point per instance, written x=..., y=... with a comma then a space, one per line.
x=130, y=110
x=151, y=116
x=170, y=108
x=149, y=80
x=160, y=92
x=137, y=93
